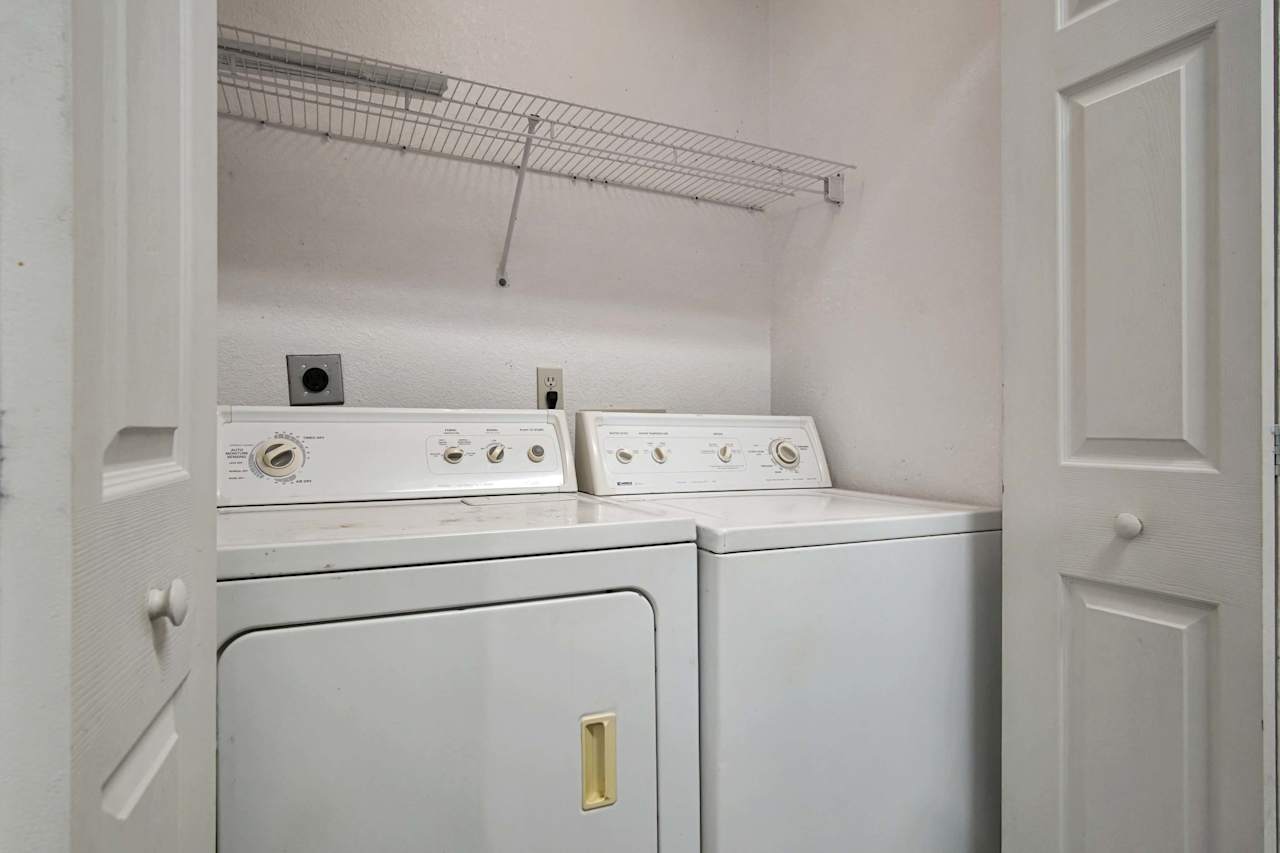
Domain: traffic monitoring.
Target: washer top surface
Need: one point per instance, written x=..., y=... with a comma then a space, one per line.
x=730, y=522
x=751, y=483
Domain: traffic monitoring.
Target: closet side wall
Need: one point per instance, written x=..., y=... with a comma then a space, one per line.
x=887, y=313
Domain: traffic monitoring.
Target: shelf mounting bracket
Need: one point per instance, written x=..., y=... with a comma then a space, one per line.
x=833, y=188
x=515, y=202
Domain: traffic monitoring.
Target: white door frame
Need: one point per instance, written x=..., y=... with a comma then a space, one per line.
x=1271, y=497
x=35, y=425
x=1270, y=306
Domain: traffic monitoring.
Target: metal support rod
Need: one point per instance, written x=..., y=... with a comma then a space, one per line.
x=515, y=202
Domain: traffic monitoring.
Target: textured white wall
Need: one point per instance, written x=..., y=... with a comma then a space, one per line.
x=884, y=315
x=887, y=313
x=389, y=258
x=36, y=319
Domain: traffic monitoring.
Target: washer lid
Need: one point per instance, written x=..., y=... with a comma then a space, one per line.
x=290, y=540
x=729, y=522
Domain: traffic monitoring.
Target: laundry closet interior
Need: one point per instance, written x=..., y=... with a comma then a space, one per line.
x=721, y=209
x=681, y=426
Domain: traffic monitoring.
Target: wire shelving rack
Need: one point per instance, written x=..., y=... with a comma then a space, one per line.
x=286, y=83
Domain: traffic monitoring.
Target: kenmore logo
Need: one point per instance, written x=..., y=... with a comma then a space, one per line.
x=624, y=483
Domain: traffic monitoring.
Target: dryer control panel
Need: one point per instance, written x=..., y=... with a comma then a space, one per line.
x=622, y=453
x=283, y=455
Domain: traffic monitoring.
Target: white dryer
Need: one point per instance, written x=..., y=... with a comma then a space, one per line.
x=850, y=642
x=428, y=641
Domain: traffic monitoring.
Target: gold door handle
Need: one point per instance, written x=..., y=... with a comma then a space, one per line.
x=599, y=760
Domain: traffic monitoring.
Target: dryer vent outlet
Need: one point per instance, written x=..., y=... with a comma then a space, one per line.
x=315, y=380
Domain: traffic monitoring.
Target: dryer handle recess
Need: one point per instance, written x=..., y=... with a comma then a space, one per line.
x=599, y=760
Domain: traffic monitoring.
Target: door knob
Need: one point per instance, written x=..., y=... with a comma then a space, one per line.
x=171, y=603
x=1128, y=525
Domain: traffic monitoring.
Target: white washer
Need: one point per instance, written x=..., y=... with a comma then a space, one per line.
x=850, y=642
x=428, y=641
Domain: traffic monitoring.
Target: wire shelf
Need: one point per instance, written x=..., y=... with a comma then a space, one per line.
x=290, y=84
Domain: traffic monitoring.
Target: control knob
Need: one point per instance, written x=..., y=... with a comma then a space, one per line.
x=453, y=455
x=784, y=452
x=537, y=453
x=495, y=453
x=661, y=455
x=624, y=456
x=725, y=453
x=278, y=457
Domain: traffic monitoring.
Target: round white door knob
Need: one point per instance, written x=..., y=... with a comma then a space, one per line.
x=171, y=603
x=1128, y=525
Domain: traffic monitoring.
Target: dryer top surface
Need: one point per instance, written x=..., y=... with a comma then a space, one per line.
x=301, y=539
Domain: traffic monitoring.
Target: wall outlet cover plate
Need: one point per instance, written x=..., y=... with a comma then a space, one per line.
x=315, y=380
x=550, y=379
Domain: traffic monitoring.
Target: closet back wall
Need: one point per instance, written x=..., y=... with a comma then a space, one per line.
x=390, y=258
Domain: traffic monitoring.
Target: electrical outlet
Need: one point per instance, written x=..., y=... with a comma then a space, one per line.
x=550, y=379
x=314, y=380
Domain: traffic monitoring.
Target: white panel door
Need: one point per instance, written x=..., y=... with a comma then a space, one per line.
x=1137, y=281
x=143, y=412
x=442, y=732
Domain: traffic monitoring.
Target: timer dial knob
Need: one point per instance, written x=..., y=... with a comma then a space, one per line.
x=453, y=455
x=495, y=452
x=278, y=457
x=784, y=453
x=537, y=453
x=661, y=455
x=725, y=453
x=624, y=456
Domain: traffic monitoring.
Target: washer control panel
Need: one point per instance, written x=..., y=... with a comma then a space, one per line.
x=282, y=455
x=623, y=453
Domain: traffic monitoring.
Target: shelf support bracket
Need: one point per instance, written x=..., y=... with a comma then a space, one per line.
x=515, y=202
x=833, y=188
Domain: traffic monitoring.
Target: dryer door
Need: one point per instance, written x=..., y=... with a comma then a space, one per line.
x=464, y=730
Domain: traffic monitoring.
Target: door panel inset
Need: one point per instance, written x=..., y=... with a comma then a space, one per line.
x=1136, y=709
x=1070, y=10
x=146, y=761
x=1137, y=186
x=145, y=236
